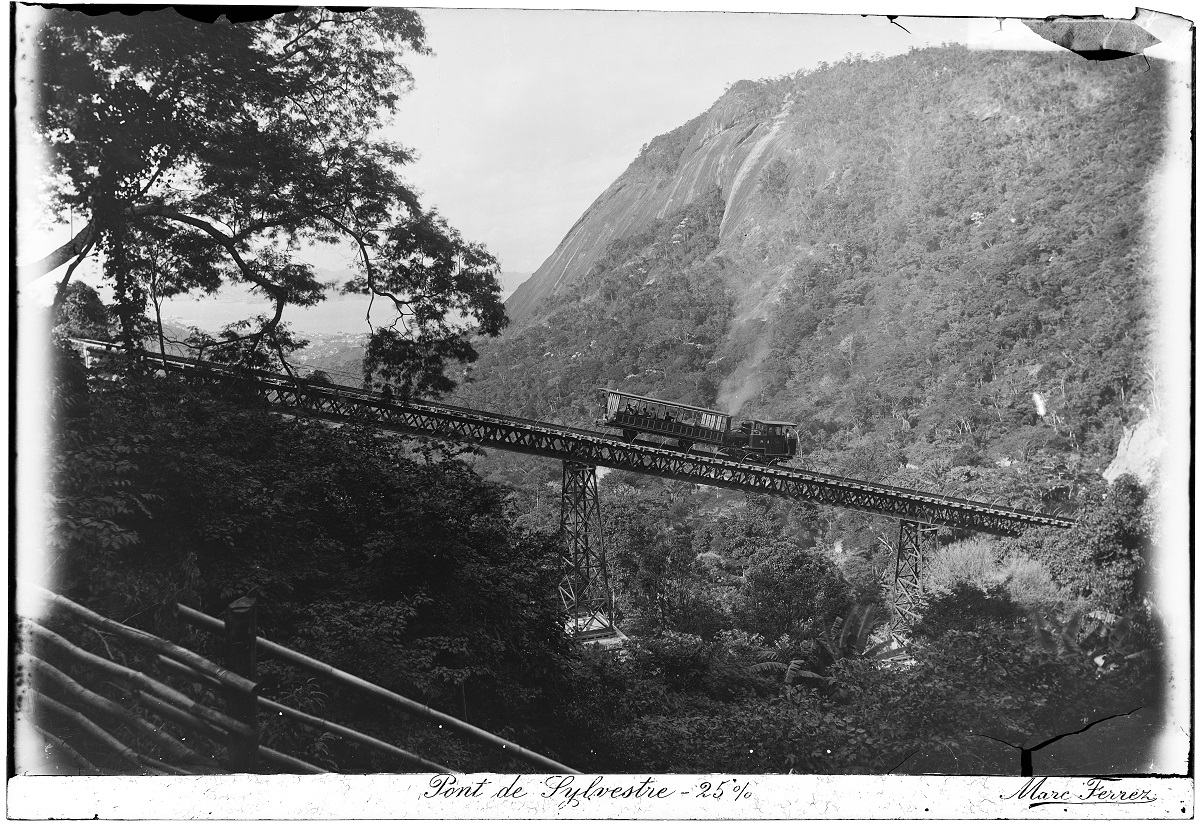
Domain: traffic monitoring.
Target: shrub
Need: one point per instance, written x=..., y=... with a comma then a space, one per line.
x=1103, y=557
x=686, y=663
x=1030, y=584
x=971, y=561
x=773, y=181
x=679, y=659
x=966, y=607
x=699, y=612
x=787, y=589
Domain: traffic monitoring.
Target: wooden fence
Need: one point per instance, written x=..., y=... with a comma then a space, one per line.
x=151, y=727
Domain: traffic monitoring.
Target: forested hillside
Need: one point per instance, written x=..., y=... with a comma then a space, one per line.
x=938, y=271
x=933, y=263
x=750, y=649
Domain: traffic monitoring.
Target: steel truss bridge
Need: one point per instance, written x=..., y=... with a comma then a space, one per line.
x=585, y=589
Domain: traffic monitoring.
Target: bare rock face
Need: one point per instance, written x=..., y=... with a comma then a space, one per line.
x=1140, y=451
x=727, y=147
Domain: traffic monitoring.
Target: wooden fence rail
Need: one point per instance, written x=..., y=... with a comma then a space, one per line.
x=352, y=735
x=405, y=704
x=237, y=736
x=106, y=707
x=137, y=679
x=150, y=710
x=163, y=647
x=124, y=752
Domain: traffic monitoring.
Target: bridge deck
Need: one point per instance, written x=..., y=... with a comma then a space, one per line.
x=337, y=403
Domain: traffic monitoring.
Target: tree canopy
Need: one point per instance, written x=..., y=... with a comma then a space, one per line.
x=206, y=154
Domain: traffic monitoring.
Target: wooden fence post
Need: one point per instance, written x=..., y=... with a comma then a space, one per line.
x=241, y=632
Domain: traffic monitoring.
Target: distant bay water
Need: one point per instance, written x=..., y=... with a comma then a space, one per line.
x=341, y=314
x=338, y=314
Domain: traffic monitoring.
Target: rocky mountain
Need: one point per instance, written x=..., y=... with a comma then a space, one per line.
x=934, y=263
x=727, y=147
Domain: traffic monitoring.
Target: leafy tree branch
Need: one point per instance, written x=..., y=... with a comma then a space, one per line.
x=147, y=141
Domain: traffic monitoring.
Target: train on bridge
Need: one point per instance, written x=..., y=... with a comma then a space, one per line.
x=769, y=442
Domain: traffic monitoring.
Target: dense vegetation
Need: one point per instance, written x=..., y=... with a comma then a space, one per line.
x=651, y=319
x=944, y=279
x=389, y=560
x=922, y=266
x=212, y=188
x=750, y=650
x=964, y=261
x=942, y=276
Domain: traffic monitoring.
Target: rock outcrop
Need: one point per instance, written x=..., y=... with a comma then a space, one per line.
x=1140, y=452
x=917, y=268
x=727, y=147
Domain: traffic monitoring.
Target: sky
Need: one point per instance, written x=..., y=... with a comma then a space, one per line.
x=522, y=118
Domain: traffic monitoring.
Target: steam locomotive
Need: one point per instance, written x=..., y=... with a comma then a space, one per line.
x=753, y=440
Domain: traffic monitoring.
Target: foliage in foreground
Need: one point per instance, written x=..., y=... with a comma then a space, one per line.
x=405, y=568
x=213, y=188
x=398, y=566
x=681, y=705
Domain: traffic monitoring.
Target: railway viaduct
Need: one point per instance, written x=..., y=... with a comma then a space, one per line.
x=584, y=588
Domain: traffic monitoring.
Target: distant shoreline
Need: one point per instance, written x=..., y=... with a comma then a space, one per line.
x=336, y=315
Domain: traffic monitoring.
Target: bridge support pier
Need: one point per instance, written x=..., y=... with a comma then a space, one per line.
x=906, y=581
x=584, y=588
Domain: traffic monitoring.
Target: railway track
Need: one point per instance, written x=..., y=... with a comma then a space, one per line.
x=505, y=432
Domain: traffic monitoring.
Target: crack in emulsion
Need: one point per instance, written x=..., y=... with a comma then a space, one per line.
x=1027, y=751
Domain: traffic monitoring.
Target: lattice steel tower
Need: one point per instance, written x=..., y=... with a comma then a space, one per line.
x=905, y=582
x=584, y=589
